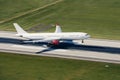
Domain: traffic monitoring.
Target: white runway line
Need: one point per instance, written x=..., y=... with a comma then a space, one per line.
x=60, y=50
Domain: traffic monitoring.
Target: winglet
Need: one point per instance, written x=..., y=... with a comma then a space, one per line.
x=19, y=30
x=58, y=29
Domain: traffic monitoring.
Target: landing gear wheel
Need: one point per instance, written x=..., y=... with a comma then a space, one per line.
x=82, y=41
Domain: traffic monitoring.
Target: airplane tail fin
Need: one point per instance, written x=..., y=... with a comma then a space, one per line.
x=58, y=29
x=19, y=30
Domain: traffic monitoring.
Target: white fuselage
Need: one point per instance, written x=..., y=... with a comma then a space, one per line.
x=61, y=36
x=53, y=38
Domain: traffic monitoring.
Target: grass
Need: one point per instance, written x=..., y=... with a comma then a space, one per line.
x=24, y=67
x=12, y=8
x=100, y=18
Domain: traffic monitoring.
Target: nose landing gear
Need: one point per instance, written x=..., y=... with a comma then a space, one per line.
x=82, y=41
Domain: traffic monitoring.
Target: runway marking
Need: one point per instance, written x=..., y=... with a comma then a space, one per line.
x=61, y=50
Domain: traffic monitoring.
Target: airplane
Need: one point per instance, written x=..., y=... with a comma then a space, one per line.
x=51, y=38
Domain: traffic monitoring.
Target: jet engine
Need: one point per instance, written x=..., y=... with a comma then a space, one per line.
x=55, y=42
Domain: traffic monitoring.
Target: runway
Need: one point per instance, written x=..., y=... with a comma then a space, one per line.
x=93, y=49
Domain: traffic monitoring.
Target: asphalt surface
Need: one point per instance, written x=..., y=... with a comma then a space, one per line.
x=93, y=49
